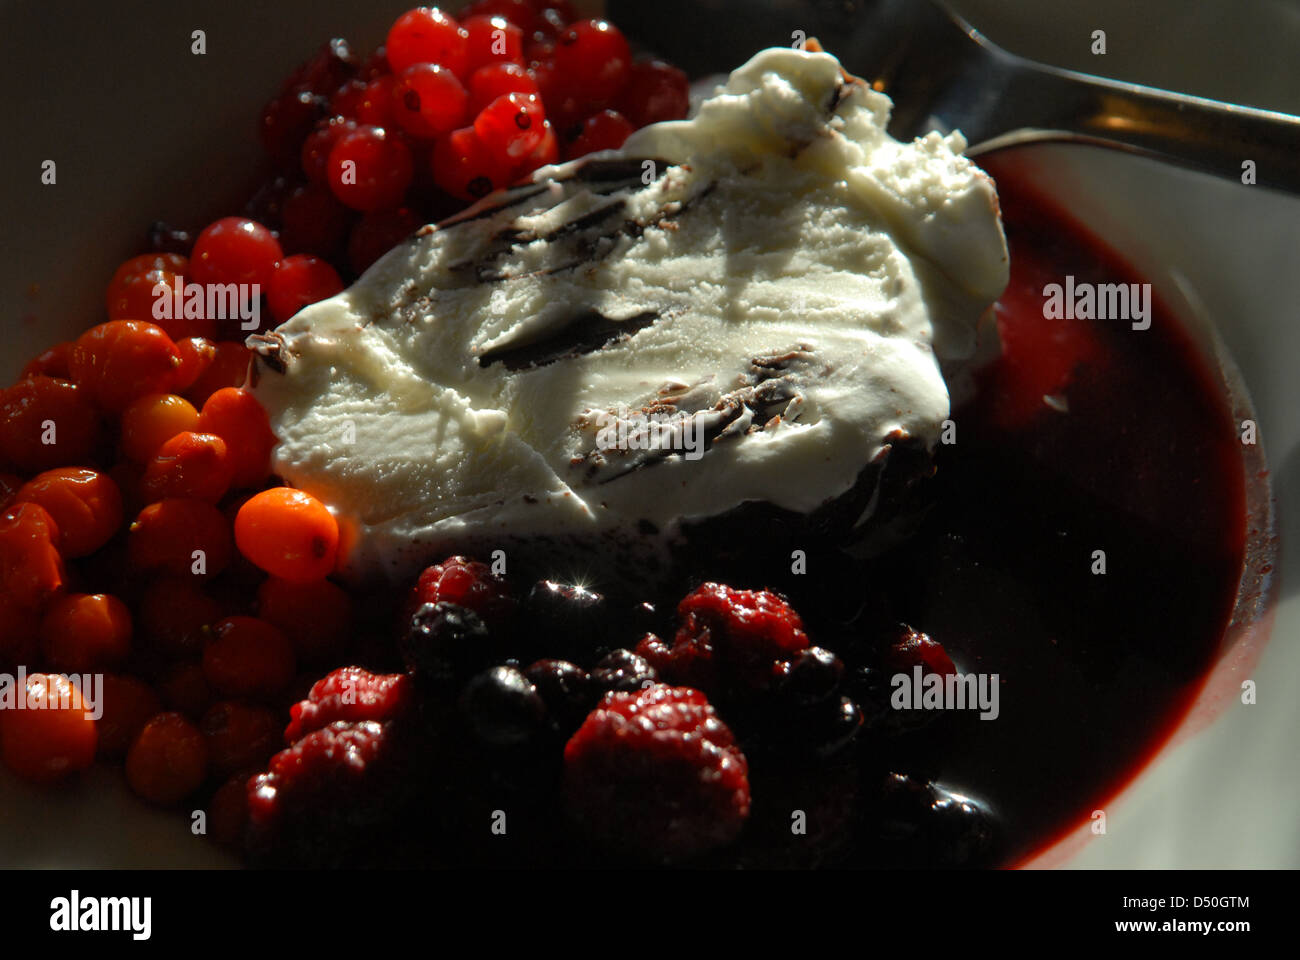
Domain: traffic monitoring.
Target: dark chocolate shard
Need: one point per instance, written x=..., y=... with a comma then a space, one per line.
x=586, y=333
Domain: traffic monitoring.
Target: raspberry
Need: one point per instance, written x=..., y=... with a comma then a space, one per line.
x=733, y=641
x=349, y=694
x=466, y=583
x=913, y=648
x=657, y=774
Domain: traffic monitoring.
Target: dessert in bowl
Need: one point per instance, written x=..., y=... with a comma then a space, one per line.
x=752, y=605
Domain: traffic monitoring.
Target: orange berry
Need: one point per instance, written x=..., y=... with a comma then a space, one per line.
x=86, y=505
x=121, y=360
x=289, y=534
x=31, y=569
x=316, y=616
x=190, y=465
x=248, y=657
x=197, y=354
x=47, y=423
x=53, y=736
x=173, y=615
x=240, y=735
x=175, y=262
x=85, y=632
x=151, y=421
x=236, y=416
x=184, y=688
x=168, y=760
x=180, y=537
x=127, y=705
x=229, y=368
x=50, y=363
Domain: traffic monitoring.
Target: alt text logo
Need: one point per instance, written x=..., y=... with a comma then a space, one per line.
x=75, y=913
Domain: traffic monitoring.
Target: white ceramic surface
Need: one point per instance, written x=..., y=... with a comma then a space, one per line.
x=141, y=128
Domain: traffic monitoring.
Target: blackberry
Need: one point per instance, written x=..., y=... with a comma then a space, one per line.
x=811, y=677
x=922, y=822
x=835, y=726
x=503, y=707
x=623, y=671
x=445, y=642
x=567, y=691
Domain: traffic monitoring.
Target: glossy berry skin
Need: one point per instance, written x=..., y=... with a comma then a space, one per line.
x=466, y=167
x=27, y=411
x=511, y=125
x=377, y=104
x=85, y=504
x=298, y=281
x=522, y=13
x=31, y=569
x=197, y=355
x=429, y=101
x=152, y=420
x=492, y=39
x=370, y=168
x=53, y=737
x=288, y=533
x=911, y=649
x=605, y=130
x=444, y=643
x=466, y=583
x=316, y=617
x=85, y=633
x=229, y=368
x=811, y=677
x=503, y=707
x=127, y=704
x=427, y=35
x=623, y=671
x=122, y=360
x=315, y=155
x=331, y=66
x=593, y=60
x=166, y=535
x=168, y=760
x=239, y=735
x=248, y=657
x=657, y=775
x=285, y=121
x=496, y=80
x=49, y=363
x=353, y=695
x=567, y=691
x=235, y=250
x=190, y=465
x=656, y=91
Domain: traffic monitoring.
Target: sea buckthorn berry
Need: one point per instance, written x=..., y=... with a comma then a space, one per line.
x=492, y=39
x=19, y=633
x=53, y=736
x=171, y=262
x=180, y=537
x=376, y=106
x=184, y=687
x=121, y=360
x=511, y=125
x=174, y=616
x=298, y=281
x=378, y=232
x=601, y=131
x=285, y=121
x=592, y=59
x=190, y=465
x=168, y=760
x=85, y=632
x=239, y=735
x=314, y=222
x=229, y=368
x=128, y=703
x=466, y=167
x=428, y=100
x=316, y=147
x=49, y=363
x=236, y=416
x=370, y=168
x=248, y=657
x=235, y=250
x=85, y=504
x=151, y=421
x=496, y=80
x=197, y=354
x=427, y=35
x=316, y=617
x=47, y=423
x=151, y=297
x=289, y=534
x=656, y=91
x=31, y=569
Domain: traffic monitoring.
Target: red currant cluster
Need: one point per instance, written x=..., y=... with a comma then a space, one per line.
x=443, y=113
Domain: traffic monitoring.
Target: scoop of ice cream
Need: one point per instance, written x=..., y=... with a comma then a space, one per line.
x=741, y=307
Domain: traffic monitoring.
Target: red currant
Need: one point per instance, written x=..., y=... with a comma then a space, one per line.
x=370, y=168
x=466, y=167
x=655, y=91
x=428, y=100
x=347, y=99
x=601, y=131
x=592, y=59
x=511, y=125
x=376, y=107
x=316, y=148
x=286, y=120
x=427, y=35
x=496, y=80
x=492, y=40
x=298, y=281
x=521, y=13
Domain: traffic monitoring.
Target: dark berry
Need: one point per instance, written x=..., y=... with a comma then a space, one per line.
x=657, y=774
x=350, y=694
x=812, y=676
x=624, y=671
x=446, y=642
x=566, y=689
x=164, y=238
x=333, y=65
x=504, y=707
x=836, y=726
x=918, y=822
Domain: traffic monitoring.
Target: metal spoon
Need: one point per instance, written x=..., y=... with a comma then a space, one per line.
x=943, y=74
